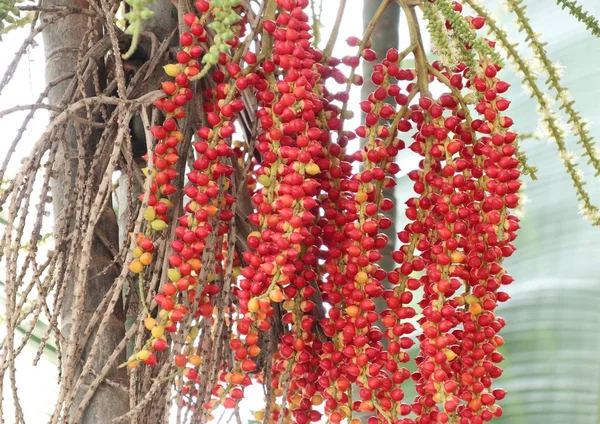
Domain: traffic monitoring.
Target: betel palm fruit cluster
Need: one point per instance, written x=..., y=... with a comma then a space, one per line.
x=299, y=303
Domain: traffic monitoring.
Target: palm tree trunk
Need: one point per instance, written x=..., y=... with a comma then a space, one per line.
x=62, y=42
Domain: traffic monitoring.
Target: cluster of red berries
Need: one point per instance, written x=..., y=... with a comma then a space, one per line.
x=203, y=191
x=353, y=279
x=460, y=232
x=165, y=156
x=318, y=232
x=283, y=259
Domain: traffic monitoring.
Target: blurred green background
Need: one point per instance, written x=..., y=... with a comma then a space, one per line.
x=552, y=366
x=552, y=350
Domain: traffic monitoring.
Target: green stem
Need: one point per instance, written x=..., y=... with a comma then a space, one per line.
x=141, y=294
x=421, y=63
x=334, y=32
x=591, y=23
x=562, y=94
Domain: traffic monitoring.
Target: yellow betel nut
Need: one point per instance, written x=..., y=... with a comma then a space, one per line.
x=158, y=225
x=136, y=266
x=470, y=299
x=150, y=214
x=143, y=355
x=195, y=360
x=361, y=277
x=457, y=257
x=174, y=274
x=475, y=309
x=179, y=136
x=361, y=197
x=253, y=305
x=317, y=399
x=158, y=331
x=149, y=323
x=264, y=180
x=171, y=70
x=312, y=169
x=146, y=258
x=450, y=354
x=353, y=311
x=137, y=252
x=276, y=296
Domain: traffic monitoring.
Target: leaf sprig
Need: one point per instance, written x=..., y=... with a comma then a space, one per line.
x=583, y=16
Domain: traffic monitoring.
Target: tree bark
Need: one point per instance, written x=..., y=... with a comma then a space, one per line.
x=62, y=42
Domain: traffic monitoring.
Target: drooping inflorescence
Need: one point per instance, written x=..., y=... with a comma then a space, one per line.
x=257, y=266
x=301, y=304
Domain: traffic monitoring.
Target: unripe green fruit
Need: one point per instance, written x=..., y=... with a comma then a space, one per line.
x=158, y=225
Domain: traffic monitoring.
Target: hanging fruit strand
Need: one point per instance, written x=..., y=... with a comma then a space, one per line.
x=164, y=159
